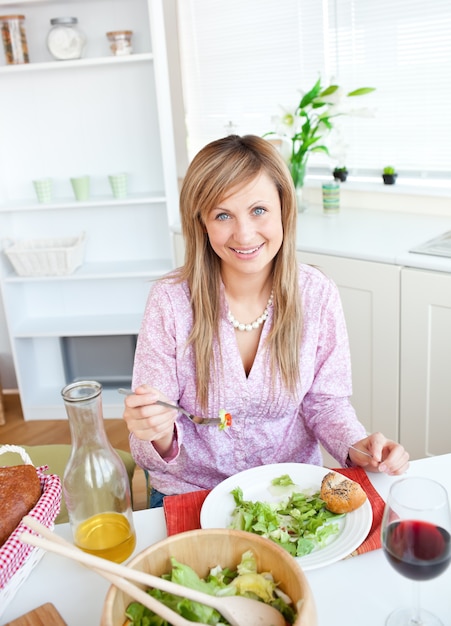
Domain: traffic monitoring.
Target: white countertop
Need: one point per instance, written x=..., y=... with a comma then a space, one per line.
x=368, y=235
x=359, y=590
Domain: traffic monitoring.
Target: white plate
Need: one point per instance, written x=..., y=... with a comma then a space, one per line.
x=219, y=504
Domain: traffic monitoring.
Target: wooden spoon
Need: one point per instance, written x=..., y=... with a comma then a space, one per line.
x=237, y=610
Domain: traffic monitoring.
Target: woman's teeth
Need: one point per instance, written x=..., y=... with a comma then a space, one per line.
x=246, y=251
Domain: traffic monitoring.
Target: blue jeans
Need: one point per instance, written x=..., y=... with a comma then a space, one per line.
x=156, y=498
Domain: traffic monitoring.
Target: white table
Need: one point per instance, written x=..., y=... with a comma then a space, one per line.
x=356, y=591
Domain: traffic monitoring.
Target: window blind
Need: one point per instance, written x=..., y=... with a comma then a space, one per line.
x=244, y=61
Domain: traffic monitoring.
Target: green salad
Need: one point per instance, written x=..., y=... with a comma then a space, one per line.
x=244, y=581
x=299, y=522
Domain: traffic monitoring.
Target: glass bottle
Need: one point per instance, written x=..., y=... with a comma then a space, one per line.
x=95, y=484
x=65, y=40
x=14, y=39
x=120, y=42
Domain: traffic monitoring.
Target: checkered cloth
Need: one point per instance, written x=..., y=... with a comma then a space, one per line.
x=14, y=553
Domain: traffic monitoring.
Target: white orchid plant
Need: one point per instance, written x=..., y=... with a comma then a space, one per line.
x=308, y=124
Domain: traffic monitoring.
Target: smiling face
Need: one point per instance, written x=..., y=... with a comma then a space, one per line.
x=245, y=228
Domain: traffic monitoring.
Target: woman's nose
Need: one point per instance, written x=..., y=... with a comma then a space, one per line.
x=244, y=230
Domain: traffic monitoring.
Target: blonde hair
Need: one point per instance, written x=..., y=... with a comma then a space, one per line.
x=220, y=166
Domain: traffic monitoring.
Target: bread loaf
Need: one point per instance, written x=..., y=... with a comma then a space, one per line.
x=20, y=490
x=341, y=494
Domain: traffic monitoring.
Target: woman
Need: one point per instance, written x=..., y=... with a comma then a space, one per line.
x=243, y=327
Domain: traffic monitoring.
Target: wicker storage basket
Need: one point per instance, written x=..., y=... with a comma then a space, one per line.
x=17, y=559
x=47, y=257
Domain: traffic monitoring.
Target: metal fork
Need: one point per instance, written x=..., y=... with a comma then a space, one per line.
x=204, y=421
x=362, y=452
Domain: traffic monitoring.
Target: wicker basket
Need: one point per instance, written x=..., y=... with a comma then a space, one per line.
x=47, y=257
x=17, y=559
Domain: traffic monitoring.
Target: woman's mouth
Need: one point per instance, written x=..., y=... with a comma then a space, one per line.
x=249, y=252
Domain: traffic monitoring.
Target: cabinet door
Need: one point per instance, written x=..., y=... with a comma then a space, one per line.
x=425, y=399
x=370, y=297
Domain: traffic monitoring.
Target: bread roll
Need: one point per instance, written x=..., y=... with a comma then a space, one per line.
x=20, y=490
x=341, y=494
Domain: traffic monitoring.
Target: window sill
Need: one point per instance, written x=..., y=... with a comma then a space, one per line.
x=408, y=196
x=418, y=186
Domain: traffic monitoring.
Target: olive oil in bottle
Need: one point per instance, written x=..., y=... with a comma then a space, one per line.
x=95, y=484
x=108, y=535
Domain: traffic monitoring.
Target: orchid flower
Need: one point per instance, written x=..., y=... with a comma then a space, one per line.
x=307, y=126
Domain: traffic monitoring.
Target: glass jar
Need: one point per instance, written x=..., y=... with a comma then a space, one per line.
x=120, y=42
x=14, y=39
x=65, y=40
x=95, y=484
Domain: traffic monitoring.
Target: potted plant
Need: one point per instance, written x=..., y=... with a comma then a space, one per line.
x=340, y=173
x=304, y=128
x=389, y=175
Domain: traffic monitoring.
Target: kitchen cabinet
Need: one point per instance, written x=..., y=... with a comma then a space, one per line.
x=98, y=115
x=370, y=297
x=425, y=390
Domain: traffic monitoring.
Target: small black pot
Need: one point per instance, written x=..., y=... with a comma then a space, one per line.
x=340, y=175
x=389, y=179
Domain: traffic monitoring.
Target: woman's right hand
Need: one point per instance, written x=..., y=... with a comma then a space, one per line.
x=149, y=421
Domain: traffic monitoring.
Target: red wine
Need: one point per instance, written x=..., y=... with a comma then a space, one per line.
x=417, y=550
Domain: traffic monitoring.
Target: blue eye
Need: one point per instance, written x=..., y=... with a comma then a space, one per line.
x=259, y=210
x=222, y=217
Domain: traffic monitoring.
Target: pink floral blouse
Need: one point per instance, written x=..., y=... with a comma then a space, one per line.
x=269, y=425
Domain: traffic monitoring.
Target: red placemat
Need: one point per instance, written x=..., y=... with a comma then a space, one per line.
x=182, y=512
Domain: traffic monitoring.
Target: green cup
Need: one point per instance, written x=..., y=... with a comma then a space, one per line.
x=331, y=198
x=80, y=185
x=119, y=185
x=43, y=188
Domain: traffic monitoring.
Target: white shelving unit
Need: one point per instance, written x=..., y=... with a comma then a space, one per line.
x=97, y=115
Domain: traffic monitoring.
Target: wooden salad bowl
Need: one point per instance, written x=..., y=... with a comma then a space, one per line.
x=207, y=548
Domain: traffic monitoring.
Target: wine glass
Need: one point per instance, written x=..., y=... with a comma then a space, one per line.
x=416, y=529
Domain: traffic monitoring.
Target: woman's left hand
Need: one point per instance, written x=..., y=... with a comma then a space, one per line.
x=388, y=456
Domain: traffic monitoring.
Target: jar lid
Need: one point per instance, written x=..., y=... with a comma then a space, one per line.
x=119, y=33
x=63, y=20
x=12, y=17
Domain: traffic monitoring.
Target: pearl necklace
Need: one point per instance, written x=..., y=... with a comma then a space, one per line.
x=258, y=322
